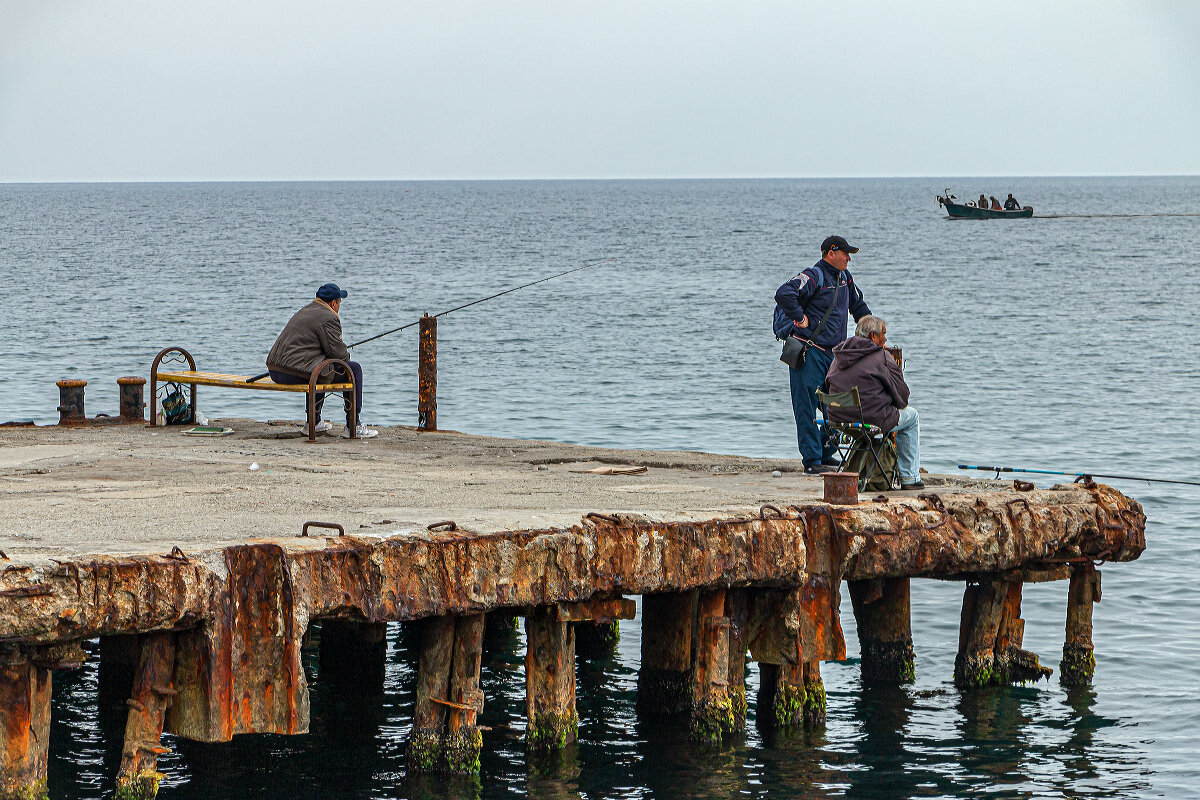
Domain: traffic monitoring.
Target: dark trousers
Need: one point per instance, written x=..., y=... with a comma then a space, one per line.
x=804, y=382
x=347, y=397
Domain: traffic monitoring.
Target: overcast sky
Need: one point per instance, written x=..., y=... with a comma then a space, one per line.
x=298, y=90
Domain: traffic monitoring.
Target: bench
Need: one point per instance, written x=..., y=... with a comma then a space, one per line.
x=194, y=379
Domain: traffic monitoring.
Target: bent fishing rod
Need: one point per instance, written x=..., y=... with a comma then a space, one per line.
x=998, y=470
x=591, y=262
x=594, y=262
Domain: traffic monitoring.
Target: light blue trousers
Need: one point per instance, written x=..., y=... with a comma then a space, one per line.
x=908, y=446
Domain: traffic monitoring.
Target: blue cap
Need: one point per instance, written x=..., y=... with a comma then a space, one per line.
x=330, y=291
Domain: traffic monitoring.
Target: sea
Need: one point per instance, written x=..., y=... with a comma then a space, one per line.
x=1069, y=341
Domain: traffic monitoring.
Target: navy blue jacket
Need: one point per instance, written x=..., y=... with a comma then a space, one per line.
x=810, y=293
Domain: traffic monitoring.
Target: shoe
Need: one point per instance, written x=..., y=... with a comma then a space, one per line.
x=819, y=469
x=362, y=433
x=322, y=426
x=908, y=487
x=837, y=465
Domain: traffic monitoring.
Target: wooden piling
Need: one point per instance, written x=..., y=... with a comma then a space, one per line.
x=737, y=610
x=775, y=640
x=464, y=740
x=781, y=696
x=152, y=693
x=424, y=753
x=990, y=637
x=881, y=609
x=814, y=696
x=550, y=681
x=664, y=678
x=1078, y=664
x=24, y=727
x=427, y=374
x=712, y=716
x=445, y=735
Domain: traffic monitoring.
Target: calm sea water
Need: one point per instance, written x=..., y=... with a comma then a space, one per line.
x=1068, y=342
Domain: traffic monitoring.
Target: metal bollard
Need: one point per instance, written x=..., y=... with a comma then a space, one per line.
x=841, y=488
x=427, y=375
x=70, y=401
x=132, y=404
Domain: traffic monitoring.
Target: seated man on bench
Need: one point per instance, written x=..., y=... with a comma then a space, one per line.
x=313, y=334
x=862, y=361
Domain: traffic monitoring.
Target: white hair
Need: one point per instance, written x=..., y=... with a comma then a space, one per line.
x=869, y=325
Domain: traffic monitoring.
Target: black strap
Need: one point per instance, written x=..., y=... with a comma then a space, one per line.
x=821, y=325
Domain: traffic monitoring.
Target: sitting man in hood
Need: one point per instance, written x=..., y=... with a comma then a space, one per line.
x=862, y=361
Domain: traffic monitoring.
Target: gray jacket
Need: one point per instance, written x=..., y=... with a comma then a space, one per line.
x=881, y=387
x=313, y=334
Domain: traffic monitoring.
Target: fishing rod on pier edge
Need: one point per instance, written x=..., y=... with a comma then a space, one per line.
x=998, y=470
x=591, y=262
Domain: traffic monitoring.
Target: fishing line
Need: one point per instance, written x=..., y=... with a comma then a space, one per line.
x=591, y=262
x=594, y=262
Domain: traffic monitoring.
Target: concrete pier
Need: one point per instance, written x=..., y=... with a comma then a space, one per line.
x=189, y=552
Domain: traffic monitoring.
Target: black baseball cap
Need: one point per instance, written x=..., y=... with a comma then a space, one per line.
x=837, y=243
x=331, y=291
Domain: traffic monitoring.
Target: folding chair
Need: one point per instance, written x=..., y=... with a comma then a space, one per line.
x=860, y=442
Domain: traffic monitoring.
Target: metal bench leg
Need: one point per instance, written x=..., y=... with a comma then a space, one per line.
x=353, y=403
x=312, y=416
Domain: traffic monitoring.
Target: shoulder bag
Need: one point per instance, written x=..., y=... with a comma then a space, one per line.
x=795, y=349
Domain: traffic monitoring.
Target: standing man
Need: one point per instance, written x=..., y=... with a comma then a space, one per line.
x=313, y=334
x=825, y=291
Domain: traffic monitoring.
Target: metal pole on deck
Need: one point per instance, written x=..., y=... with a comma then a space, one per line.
x=427, y=375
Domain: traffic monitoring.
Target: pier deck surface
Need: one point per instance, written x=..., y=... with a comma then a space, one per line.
x=114, y=530
x=70, y=492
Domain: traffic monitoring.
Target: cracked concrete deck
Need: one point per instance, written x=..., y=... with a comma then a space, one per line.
x=102, y=490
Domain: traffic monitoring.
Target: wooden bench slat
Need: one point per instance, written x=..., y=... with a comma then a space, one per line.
x=240, y=382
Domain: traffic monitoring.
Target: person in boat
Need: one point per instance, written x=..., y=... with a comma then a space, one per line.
x=995, y=203
x=1011, y=203
x=313, y=334
x=863, y=361
x=983, y=203
x=825, y=291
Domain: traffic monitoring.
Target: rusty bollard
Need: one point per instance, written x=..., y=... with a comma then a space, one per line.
x=132, y=405
x=841, y=488
x=427, y=375
x=70, y=401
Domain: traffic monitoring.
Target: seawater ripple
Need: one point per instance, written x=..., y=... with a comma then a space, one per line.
x=1066, y=341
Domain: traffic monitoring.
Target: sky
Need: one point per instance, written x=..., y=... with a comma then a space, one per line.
x=127, y=90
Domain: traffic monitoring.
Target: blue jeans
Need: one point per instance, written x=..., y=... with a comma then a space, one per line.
x=908, y=445
x=319, y=401
x=804, y=382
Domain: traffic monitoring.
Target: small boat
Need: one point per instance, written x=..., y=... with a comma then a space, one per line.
x=969, y=210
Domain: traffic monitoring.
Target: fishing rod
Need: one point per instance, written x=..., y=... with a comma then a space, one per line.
x=594, y=262
x=998, y=470
x=591, y=262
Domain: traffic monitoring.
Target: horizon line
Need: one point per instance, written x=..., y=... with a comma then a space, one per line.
x=87, y=181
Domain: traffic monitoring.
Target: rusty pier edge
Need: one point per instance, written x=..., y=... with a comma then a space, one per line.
x=218, y=634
